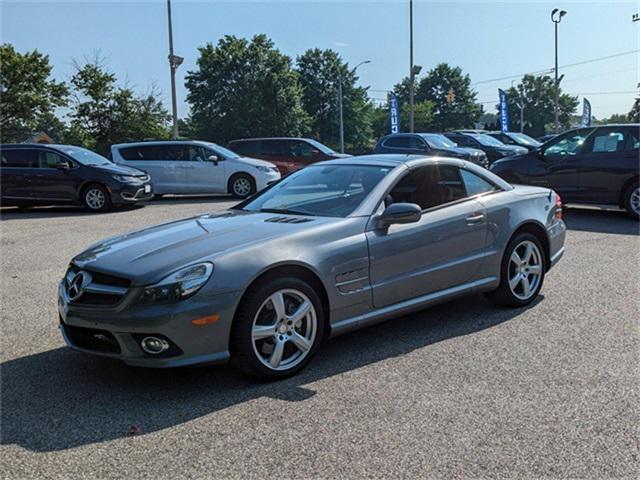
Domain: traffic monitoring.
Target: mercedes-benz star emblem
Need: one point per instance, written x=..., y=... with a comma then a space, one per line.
x=74, y=290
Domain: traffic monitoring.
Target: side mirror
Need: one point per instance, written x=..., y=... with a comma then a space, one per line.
x=400, y=213
x=214, y=159
x=315, y=153
x=64, y=165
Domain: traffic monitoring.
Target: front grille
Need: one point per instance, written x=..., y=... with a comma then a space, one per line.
x=92, y=339
x=99, y=290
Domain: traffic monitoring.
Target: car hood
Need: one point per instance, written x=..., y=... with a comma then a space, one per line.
x=114, y=168
x=472, y=151
x=512, y=149
x=146, y=256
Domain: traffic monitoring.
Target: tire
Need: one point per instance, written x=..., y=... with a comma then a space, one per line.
x=520, y=283
x=631, y=200
x=269, y=346
x=95, y=198
x=242, y=185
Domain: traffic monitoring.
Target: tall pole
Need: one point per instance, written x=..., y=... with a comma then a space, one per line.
x=556, y=106
x=411, y=72
x=341, y=115
x=172, y=67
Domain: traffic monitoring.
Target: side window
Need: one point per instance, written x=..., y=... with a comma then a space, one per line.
x=569, y=144
x=397, y=142
x=475, y=185
x=462, y=141
x=244, y=148
x=173, y=152
x=271, y=147
x=135, y=153
x=197, y=154
x=633, y=142
x=430, y=186
x=48, y=159
x=608, y=140
x=19, y=158
x=299, y=149
x=417, y=144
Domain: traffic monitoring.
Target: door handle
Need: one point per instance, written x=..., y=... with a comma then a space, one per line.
x=475, y=219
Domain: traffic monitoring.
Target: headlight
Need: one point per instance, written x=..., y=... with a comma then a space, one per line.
x=265, y=169
x=179, y=285
x=127, y=179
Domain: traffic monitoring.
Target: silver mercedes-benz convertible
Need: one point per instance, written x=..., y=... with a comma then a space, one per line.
x=331, y=248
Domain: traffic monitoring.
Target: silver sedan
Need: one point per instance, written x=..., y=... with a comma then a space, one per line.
x=331, y=248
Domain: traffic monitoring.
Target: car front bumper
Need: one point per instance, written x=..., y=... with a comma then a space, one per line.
x=129, y=194
x=116, y=331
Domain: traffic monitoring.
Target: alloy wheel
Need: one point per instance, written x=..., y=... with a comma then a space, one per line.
x=634, y=201
x=242, y=187
x=95, y=198
x=284, y=329
x=525, y=270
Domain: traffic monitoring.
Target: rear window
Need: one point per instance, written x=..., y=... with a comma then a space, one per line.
x=19, y=158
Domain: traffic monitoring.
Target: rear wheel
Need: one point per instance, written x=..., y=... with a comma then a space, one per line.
x=632, y=200
x=277, y=329
x=242, y=185
x=96, y=198
x=521, y=273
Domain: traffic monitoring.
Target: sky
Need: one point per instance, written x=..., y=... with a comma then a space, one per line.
x=488, y=40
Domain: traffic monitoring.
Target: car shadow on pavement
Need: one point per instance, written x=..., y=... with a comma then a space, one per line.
x=61, y=399
x=601, y=221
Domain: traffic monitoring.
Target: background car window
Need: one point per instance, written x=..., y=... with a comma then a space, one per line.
x=271, y=147
x=430, y=186
x=299, y=149
x=633, y=143
x=48, y=159
x=463, y=141
x=245, y=148
x=569, y=144
x=608, y=141
x=398, y=142
x=19, y=158
x=416, y=143
x=197, y=154
x=476, y=185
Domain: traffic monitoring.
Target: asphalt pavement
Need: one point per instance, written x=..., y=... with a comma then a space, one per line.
x=462, y=390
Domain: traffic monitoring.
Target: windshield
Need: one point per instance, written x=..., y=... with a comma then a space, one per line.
x=225, y=152
x=487, y=140
x=438, y=141
x=320, y=190
x=321, y=147
x=525, y=139
x=85, y=157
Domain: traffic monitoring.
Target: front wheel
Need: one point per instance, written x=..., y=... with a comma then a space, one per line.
x=521, y=273
x=277, y=329
x=242, y=185
x=96, y=198
x=632, y=200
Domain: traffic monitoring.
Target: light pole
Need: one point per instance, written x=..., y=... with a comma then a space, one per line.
x=174, y=62
x=411, y=71
x=340, y=79
x=556, y=19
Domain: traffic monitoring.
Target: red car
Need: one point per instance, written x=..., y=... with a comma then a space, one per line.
x=287, y=153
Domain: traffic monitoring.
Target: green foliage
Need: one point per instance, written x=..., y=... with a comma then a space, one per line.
x=615, y=118
x=104, y=113
x=634, y=114
x=27, y=95
x=319, y=74
x=538, y=99
x=243, y=89
x=452, y=101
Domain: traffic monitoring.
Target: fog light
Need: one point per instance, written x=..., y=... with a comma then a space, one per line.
x=154, y=345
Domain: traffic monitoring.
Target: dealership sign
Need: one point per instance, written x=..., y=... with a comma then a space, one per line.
x=394, y=113
x=586, y=113
x=504, y=112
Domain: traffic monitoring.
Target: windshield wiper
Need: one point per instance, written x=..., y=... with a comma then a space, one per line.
x=287, y=211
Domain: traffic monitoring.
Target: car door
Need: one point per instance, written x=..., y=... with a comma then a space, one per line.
x=49, y=182
x=562, y=162
x=16, y=167
x=609, y=158
x=444, y=249
x=204, y=175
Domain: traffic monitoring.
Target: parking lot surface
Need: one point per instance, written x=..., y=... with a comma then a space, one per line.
x=463, y=390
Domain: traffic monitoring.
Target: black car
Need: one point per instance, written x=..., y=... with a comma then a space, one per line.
x=428, y=144
x=493, y=147
x=516, y=138
x=593, y=165
x=64, y=174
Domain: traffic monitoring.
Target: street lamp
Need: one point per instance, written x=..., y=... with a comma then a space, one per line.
x=174, y=62
x=340, y=80
x=411, y=69
x=556, y=18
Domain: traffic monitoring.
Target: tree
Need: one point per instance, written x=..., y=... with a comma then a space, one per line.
x=538, y=96
x=104, y=113
x=615, y=118
x=243, y=88
x=453, y=102
x=27, y=94
x=319, y=73
x=634, y=114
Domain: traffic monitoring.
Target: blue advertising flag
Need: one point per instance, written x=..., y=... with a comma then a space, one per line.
x=504, y=112
x=586, y=113
x=394, y=113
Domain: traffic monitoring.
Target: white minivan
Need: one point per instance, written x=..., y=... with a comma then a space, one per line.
x=196, y=167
